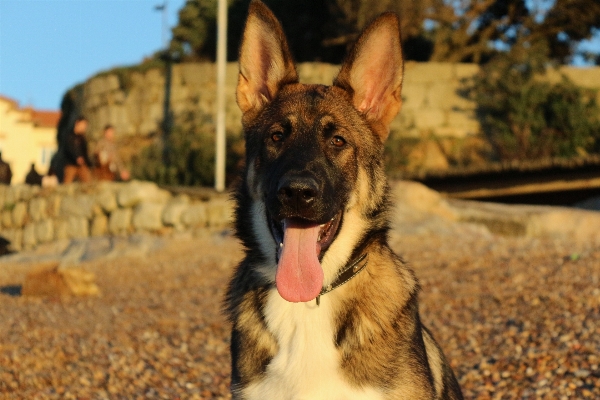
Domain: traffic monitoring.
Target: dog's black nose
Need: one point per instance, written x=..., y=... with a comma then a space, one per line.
x=297, y=193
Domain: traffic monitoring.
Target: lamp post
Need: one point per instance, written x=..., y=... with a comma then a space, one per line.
x=167, y=123
x=166, y=56
x=220, y=143
x=165, y=23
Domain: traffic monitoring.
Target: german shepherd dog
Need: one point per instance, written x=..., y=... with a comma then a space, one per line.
x=321, y=307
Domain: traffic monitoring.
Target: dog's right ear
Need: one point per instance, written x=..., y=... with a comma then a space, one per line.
x=266, y=64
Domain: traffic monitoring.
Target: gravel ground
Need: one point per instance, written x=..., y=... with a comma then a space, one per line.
x=518, y=318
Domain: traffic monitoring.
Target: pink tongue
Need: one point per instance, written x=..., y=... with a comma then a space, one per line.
x=299, y=274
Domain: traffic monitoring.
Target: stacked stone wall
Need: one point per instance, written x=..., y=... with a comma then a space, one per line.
x=434, y=102
x=31, y=215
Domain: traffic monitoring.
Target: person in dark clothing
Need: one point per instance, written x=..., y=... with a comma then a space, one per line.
x=33, y=178
x=76, y=154
x=5, y=172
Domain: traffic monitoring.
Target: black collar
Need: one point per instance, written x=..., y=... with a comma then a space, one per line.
x=351, y=270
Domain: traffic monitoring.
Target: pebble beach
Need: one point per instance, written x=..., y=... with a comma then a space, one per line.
x=517, y=317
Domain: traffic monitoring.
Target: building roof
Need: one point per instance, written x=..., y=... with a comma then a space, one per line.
x=12, y=102
x=41, y=118
x=45, y=118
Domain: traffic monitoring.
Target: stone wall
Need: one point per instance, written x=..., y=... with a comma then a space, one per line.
x=31, y=215
x=433, y=103
x=135, y=105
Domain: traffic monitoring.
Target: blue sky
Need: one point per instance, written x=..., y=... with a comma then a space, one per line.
x=48, y=46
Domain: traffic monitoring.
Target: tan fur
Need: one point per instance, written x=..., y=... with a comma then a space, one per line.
x=262, y=74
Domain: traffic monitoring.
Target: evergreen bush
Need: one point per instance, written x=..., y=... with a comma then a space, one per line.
x=190, y=156
x=527, y=117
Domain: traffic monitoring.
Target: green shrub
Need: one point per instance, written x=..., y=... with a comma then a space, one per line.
x=190, y=156
x=397, y=151
x=527, y=117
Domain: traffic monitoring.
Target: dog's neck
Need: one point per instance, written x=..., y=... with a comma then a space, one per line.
x=350, y=271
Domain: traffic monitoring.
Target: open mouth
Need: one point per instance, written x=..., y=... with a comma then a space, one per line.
x=301, y=245
x=326, y=235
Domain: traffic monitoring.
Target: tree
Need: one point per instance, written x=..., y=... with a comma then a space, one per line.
x=464, y=30
x=432, y=30
x=527, y=117
x=566, y=24
x=349, y=17
x=523, y=116
x=317, y=30
x=475, y=30
x=195, y=34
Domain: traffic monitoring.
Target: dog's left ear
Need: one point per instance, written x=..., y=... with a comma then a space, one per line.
x=266, y=63
x=372, y=72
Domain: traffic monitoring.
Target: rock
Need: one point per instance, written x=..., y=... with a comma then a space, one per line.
x=48, y=280
x=53, y=203
x=99, y=225
x=67, y=190
x=77, y=227
x=135, y=192
x=171, y=215
x=29, y=239
x=19, y=214
x=61, y=229
x=94, y=248
x=499, y=219
x=77, y=206
x=428, y=118
x=7, y=221
x=148, y=216
x=38, y=209
x=120, y=220
x=195, y=215
x=107, y=200
x=3, y=189
x=531, y=221
x=427, y=155
x=562, y=222
x=13, y=194
x=44, y=231
x=28, y=192
x=219, y=212
x=419, y=197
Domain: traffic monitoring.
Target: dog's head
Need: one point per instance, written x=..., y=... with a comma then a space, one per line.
x=311, y=149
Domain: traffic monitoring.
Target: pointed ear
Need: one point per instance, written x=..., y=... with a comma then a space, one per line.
x=372, y=72
x=266, y=64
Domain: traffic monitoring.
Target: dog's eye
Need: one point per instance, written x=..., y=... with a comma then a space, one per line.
x=277, y=136
x=338, y=141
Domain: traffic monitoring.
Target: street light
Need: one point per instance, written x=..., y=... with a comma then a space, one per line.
x=220, y=144
x=167, y=57
x=165, y=23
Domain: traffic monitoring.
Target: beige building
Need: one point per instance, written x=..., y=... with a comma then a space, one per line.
x=26, y=136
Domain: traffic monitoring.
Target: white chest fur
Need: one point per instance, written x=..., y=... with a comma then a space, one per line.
x=307, y=365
